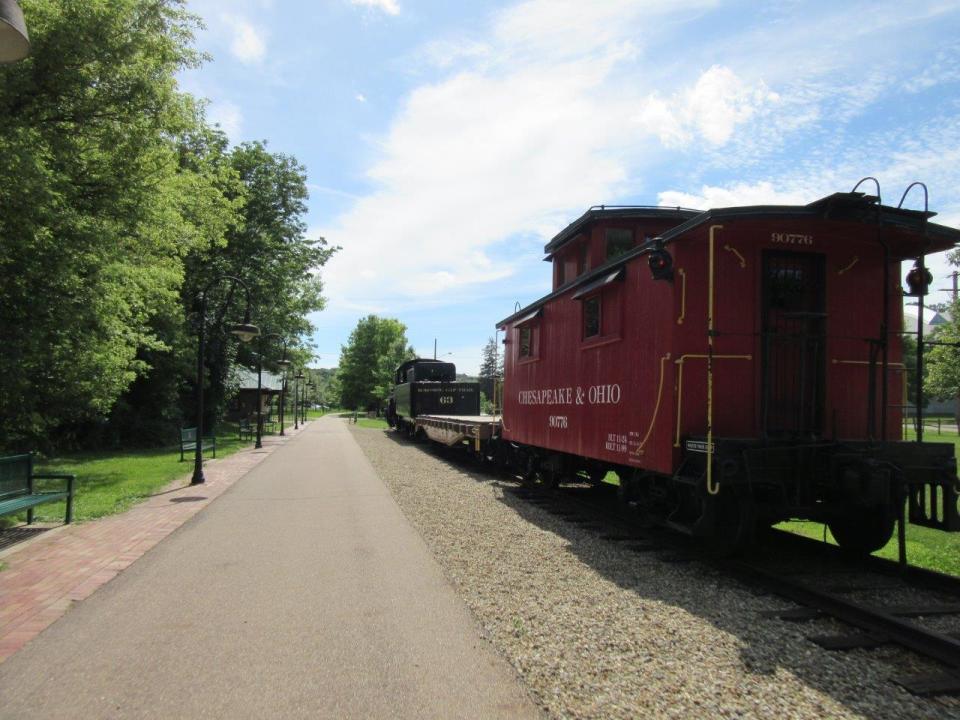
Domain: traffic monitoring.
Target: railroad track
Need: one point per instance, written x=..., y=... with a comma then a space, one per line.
x=820, y=579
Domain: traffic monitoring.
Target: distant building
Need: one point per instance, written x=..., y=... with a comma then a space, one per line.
x=245, y=403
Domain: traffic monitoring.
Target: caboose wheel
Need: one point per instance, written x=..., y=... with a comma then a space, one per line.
x=863, y=530
x=596, y=475
x=542, y=479
x=633, y=500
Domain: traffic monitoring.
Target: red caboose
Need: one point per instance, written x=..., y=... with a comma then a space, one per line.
x=734, y=367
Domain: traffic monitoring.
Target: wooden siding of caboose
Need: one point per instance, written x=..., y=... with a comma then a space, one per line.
x=597, y=397
x=853, y=269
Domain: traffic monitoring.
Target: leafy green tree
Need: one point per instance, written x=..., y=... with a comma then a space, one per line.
x=268, y=249
x=942, y=362
x=97, y=212
x=368, y=361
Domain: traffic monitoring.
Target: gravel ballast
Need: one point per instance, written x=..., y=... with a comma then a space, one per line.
x=598, y=631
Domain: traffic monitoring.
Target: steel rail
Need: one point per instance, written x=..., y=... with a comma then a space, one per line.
x=923, y=641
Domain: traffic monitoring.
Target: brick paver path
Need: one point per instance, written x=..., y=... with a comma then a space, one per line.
x=44, y=577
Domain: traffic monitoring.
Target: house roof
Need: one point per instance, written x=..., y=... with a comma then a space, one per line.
x=247, y=379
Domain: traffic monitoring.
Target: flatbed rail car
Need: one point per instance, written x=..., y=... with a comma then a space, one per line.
x=477, y=431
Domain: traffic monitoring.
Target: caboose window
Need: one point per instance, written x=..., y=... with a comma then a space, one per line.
x=619, y=242
x=583, y=258
x=526, y=342
x=591, y=316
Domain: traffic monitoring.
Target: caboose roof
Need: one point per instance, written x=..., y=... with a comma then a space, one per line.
x=615, y=212
x=907, y=231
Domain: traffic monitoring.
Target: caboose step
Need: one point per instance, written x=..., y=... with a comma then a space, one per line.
x=935, y=504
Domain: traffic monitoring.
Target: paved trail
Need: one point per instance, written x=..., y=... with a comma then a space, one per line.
x=301, y=592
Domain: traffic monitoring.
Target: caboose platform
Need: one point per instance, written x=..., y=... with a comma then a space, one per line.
x=453, y=429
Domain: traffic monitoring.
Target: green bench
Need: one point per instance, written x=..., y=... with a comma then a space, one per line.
x=188, y=442
x=245, y=427
x=17, y=491
x=248, y=427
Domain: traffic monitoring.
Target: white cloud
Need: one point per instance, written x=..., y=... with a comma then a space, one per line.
x=712, y=109
x=561, y=105
x=391, y=7
x=247, y=44
x=360, y=97
x=736, y=195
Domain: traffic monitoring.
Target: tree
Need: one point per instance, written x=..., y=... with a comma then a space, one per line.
x=368, y=361
x=268, y=249
x=942, y=362
x=491, y=373
x=95, y=206
x=491, y=364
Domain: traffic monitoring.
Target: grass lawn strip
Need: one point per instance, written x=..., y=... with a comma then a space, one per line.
x=111, y=482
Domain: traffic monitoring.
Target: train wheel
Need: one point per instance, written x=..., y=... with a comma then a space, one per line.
x=862, y=530
x=542, y=479
x=632, y=499
x=595, y=476
x=735, y=525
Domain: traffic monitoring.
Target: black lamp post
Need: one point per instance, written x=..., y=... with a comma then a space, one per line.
x=14, y=41
x=296, y=399
x=283, y=364
x=309, y=386
x=283, y=397
x=245, y=331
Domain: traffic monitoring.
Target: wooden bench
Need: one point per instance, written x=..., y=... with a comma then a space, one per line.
x=17, y=491
x=188, y=442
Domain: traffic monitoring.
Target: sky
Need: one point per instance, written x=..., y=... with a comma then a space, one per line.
x=445, y=143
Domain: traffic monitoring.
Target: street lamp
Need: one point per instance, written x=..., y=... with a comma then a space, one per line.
x=245, y=331
x=309, y=385
x=282, y=363
x=296, y=398
x=14, y=42
x=283, y=398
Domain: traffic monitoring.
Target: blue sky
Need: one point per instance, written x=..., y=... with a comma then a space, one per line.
x=445, y=143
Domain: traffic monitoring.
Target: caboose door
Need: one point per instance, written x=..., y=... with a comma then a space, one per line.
x=793, y=336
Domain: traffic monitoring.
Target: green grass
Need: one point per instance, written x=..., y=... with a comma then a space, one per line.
x=110, y=482
x=362, y=419
x=376, y=423
x=926, y=548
